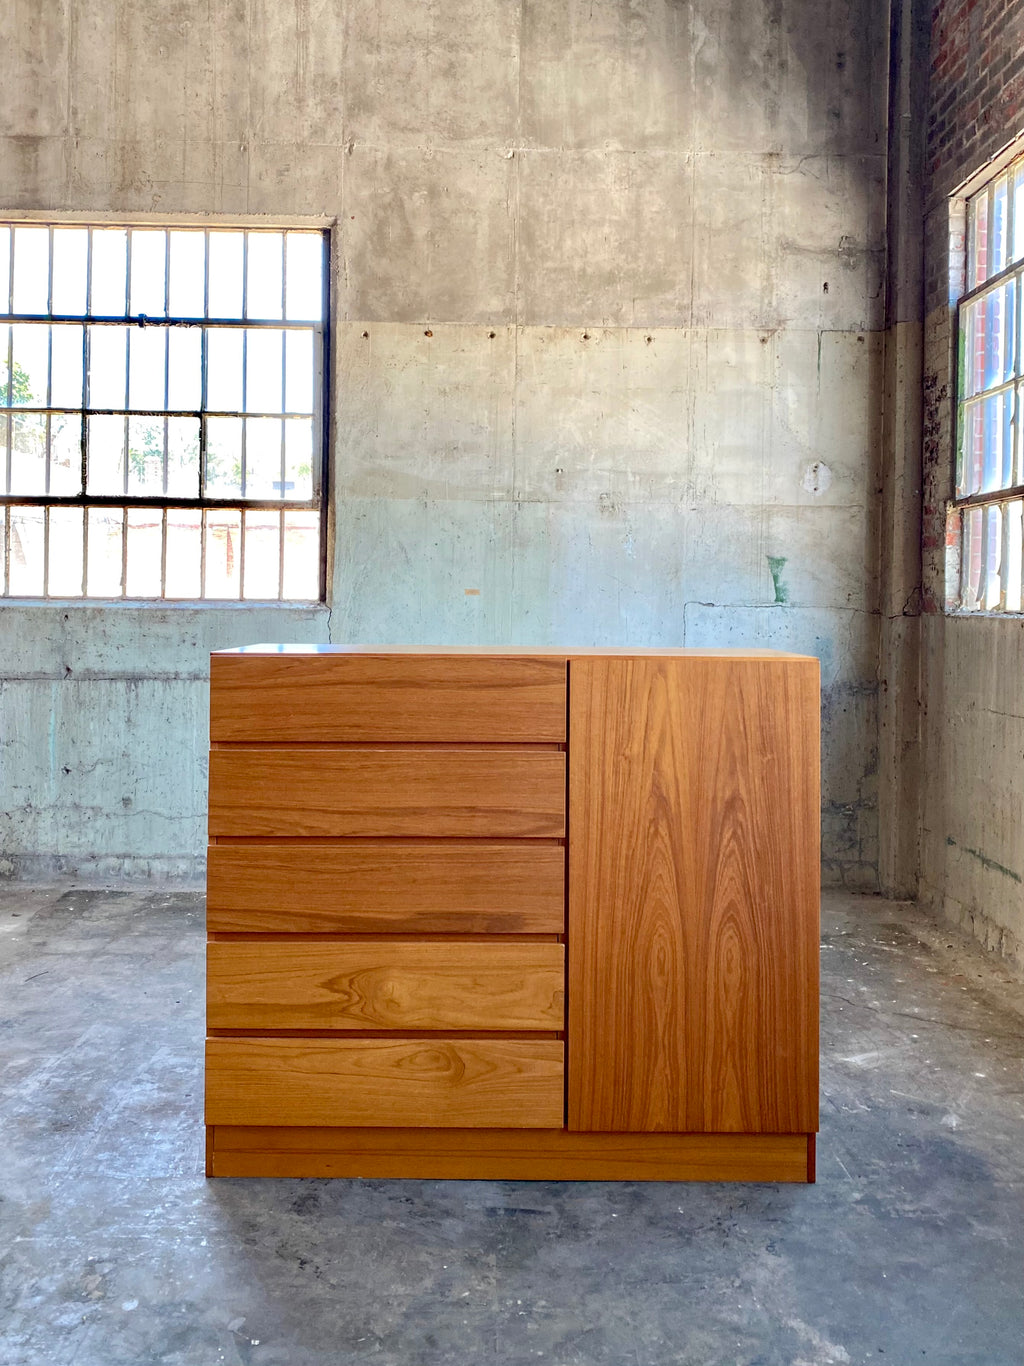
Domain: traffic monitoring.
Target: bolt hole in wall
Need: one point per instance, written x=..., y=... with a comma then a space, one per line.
x=985, y=529
x=161, y=412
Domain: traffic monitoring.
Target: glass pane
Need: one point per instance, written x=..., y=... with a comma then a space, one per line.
x=183, y=457
x=298, y=463
x=223, y=457
x=147, y=353
x=64, y=579
x=225, y=275
x=988, y=596
x=301, y=555
x=1018, y=214
x=5, y=437
x=986, y=450
x=264, y=275
x=28, y=453
x=304, y=290
x=299, y=372
x=185, y=369
x=107, y=362
x=66, y=454
x=1000, y=224
x=184, y=551
x=999, y=307
x=70, y=269
x=31, y=270
x=145, y=552
x=26, y=552
x=223, y=554
x=31, y=361
x=5, y=268
x=5, y=347
x=262, y=554
x=145, y=456
x=263, y=361
x=970, y=559
x=106, y=437
x=148, y=267
x=105, y=554
x=988, y=327
x=977, y=240
x=224, y=370
x=67, y=372
x=1013, y=555
x=109, y=272
x=263, y=453
x=187, y=286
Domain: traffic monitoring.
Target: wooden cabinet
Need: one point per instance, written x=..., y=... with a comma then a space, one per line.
x=513, y=914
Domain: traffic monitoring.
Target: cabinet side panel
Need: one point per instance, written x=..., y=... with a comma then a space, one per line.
x=693, y=895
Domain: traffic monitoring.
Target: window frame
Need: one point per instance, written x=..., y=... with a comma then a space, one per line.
x=1007, y=499
x=322, y=382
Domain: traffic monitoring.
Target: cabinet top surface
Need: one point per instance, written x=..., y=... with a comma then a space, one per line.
x=511, y=651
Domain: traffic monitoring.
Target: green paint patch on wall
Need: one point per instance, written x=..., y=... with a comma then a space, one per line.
x=984, y=860
x=776, y=564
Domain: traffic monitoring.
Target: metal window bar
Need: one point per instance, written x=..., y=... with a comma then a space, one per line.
x=125, y=500
x=965, y=404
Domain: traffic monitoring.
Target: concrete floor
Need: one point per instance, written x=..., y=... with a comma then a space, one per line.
x=115, y=1249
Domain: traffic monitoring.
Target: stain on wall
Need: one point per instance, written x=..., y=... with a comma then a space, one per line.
x=972, y=815
x=607, y=283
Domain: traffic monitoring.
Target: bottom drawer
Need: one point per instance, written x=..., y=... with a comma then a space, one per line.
x=434, y=1083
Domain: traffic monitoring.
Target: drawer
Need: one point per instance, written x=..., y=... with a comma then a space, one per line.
x=383, y=984
x=357, y=1083
x=326, y=792
x=334, y=696
x=357, y=887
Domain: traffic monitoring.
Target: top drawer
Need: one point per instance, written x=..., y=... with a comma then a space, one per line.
x=398, y=697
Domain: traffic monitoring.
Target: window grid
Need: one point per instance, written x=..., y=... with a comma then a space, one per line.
x=270, y=498
x=989, y=486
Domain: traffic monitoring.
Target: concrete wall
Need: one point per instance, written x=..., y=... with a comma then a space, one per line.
x=608, y=284
x=972, y=850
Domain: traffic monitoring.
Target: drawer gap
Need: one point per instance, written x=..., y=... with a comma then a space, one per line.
x=456, y=746
x=449, y=841
x=392, y=936
x=395, y=1035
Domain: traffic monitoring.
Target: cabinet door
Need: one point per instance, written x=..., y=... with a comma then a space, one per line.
x=693, y=894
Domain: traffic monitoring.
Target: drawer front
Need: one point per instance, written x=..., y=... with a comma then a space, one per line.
x=415, y=1083
x=404, y=697
x=392, y=887
x=260, y=984
x=320, y=792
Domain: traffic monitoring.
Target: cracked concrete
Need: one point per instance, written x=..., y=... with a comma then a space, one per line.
x=606, y=285
x=117, y=1251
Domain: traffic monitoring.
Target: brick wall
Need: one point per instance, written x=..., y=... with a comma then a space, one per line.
x=974, y=107
x=976, y=96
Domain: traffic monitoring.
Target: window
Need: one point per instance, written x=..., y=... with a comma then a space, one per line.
x=990, y=389
x=162, y=412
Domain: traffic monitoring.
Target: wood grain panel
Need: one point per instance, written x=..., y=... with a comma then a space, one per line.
x=379, y=792
x=477, y=888
x=411, y=697
x=508, y=1155
x=260, y=984
x=693, y=895
x=442, y=1083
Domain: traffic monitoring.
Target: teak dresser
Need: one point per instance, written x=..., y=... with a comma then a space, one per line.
x=513, y=914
